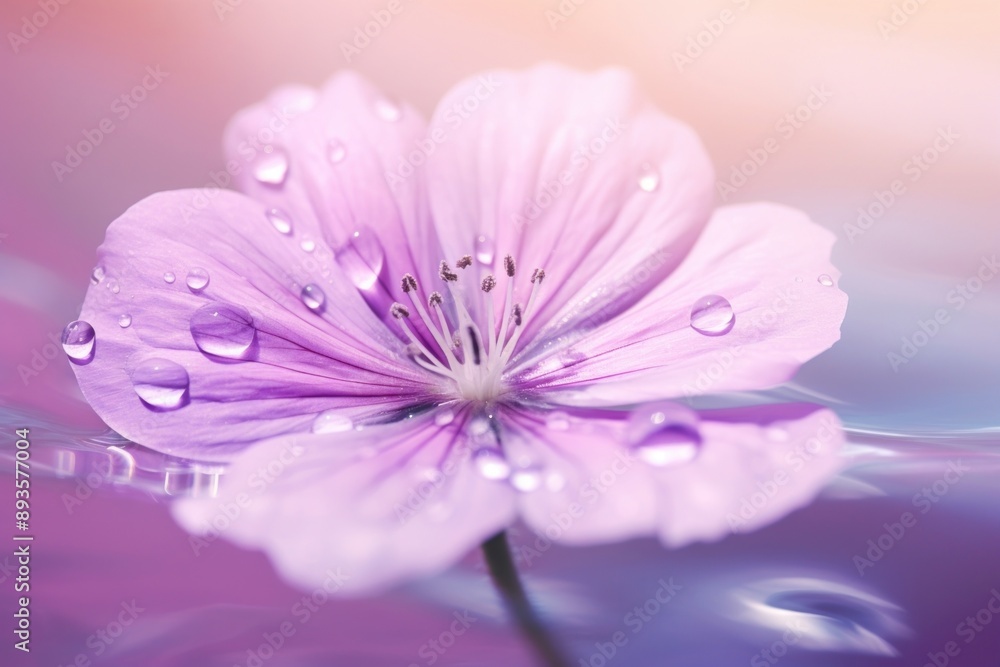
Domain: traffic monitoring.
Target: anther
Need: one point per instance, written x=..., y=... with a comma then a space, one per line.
x=399, y=311
x=508, y=265
x=434, y=299
x=517, y=314
x=538, y=275
x=464, y=262
x=489, y=282
x=409, y=283
x=446, y=273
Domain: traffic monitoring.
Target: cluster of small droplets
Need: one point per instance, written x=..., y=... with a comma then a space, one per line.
x=474, y=356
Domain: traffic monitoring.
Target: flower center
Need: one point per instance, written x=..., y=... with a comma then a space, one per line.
x=472, y=356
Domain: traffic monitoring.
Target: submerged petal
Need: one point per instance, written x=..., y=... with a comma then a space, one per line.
x=378, y=506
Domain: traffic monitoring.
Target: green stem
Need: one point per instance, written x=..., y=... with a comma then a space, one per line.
x=508, y=582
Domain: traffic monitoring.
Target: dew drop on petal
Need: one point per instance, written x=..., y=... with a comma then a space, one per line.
x=362, y=258
x=78, y=340
x=557, y=421
x=332, y=421
x=308, y=245
x=161, y=383
x=649, y=179
x=491, y=463
x=197, y=279
x=280, y=220
x=124, y=320
x=825, y=280
x=387, y=110
x=114, y=286
x=336, y=151
x=485, y=249
x=526, y=479
x=313, y=297
x=664, y=434
x=271, y=168
x=712, y=315
x=97, y=275
x=444, y=417
x=223, y=329
x=169, y=278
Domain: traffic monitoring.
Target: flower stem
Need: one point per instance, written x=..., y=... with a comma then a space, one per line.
x=504, y=574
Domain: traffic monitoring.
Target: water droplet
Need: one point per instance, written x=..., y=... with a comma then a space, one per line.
x=444, y=417
x=649, y=179
x=336, y=151
x=526, y=479
x=332, y=421
x=197, y=279
x=798, y=279
x=169, y=278
x=362, y=259
x=223, y=329
x=271, y=167
x=664, y=433
x=825, y=280
x=491, y=463
x=308, y=245
x=97, y=275
x=712, y=315
x=114, y=286
x=388, y=111
x=485, y=249
x=124, y=320
x=280, y=220
x=78, y=340
x=313, y=297
x=161, y=383
x=557, y=421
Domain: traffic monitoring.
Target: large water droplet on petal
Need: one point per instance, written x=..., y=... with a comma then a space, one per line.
x=664, y=433
x=271, y=168
x=712, y=315
x=825, y=280
x=362, y=259
x=124, y=320
x=161, y=383
x=223, y=329
x=332, y=421
x=280, y=220
x=649, y=179
x=387, y=110
x=336, y=151
x=491, y=463
x=169, y=278
x=97, y=275
x=313, y=297
x=485, y=249
x=78, y=341
x=197, y=279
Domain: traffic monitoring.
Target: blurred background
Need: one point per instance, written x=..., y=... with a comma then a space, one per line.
x=884, y=113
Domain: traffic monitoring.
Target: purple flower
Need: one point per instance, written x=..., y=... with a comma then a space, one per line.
x=406, y=336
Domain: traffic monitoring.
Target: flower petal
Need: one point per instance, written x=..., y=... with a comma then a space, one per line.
x=297, y=361
x=773, y=266
x=381, y=505
x=753, y=466
x=550, y=165
x=330, y=153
